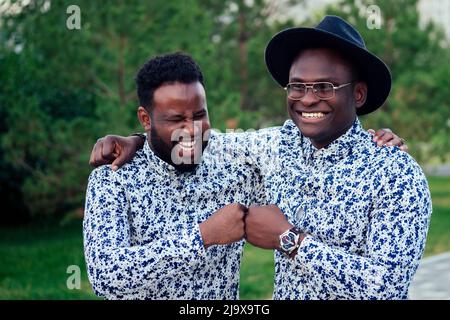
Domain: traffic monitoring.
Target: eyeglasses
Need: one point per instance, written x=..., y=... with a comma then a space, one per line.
x=322, y=90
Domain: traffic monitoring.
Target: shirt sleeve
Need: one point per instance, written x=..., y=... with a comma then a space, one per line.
x=115, y=267
x=395, y=243
x=258, y=149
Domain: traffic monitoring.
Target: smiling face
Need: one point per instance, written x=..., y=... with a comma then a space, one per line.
x=177, y=123
x=323, y=121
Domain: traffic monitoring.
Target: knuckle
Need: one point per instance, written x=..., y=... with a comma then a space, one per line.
x=109, y=139
x=104, y=153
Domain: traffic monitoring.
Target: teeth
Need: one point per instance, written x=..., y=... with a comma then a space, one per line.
x=314, y=115
x=187, y=144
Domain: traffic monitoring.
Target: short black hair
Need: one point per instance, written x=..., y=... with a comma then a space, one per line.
x=172, y=67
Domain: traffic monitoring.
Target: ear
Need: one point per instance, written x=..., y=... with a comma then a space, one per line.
x=360, y=94
x=144, y=118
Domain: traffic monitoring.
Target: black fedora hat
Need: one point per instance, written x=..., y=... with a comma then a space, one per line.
x=332, y=32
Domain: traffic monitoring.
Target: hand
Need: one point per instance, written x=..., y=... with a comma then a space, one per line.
x=224, y=226
x=387, y=137
x=264, y=225
x=116, y=150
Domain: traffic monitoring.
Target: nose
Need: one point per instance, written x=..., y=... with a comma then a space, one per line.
x=188, y=127
x=310, y=98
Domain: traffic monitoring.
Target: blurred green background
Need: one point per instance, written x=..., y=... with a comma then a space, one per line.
x=61, y=89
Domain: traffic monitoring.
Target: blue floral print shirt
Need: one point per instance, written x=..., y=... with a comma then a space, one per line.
x=365, y=209
x=141, y=227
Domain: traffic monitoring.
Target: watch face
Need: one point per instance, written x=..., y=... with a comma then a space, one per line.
x=288, y=241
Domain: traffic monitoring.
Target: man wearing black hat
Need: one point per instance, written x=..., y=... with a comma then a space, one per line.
x=349, y=219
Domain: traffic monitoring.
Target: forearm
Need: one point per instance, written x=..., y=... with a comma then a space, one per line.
x=125, y=269
x=351, y=276
x=138, y=139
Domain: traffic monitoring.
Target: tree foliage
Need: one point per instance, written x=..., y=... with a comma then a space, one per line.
x=418, y=108
x=61, y=89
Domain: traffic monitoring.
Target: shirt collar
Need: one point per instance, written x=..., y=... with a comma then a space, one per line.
x=336, y=150
x=156, y=163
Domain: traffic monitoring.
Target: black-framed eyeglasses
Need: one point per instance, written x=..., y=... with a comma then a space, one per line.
x=322, y=90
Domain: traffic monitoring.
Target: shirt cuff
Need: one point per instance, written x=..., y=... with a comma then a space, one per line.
x=195, y=247
x=307, y=261
x=304, y=252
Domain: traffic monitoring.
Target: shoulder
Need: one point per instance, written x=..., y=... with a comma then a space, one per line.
x=397, y=161
x=384, y=162
x=104, y=174
x=133, y=167
x=398, y=168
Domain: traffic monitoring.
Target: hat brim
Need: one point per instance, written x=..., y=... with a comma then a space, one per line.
x=285, y=46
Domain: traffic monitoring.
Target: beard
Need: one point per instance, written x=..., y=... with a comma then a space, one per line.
x=164, y=152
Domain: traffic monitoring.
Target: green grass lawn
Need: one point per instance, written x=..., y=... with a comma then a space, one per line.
x=34, y=262
x=34, y=259
x=439, y=233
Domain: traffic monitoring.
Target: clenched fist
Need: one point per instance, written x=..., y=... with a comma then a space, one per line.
x=116, y=150
x=225, y=226
x=264, y=225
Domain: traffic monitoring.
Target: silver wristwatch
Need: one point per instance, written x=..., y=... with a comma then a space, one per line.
x=289, y=241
